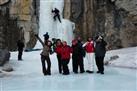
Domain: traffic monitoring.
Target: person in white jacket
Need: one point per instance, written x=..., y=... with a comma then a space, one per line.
x=89, y=48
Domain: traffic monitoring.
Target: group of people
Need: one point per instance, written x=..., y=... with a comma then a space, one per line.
x=91, y=50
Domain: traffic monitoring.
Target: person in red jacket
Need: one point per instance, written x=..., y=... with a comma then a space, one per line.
x=58, y=52
x=89, y=48
x=65, y=57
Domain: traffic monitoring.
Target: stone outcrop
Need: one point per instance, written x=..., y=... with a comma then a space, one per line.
x=120, y=23
x=2, y=2
x=19, y=20
x=116, y=20
x=129, y=22
x=4, y=56
x=7, y=67
x=80, y=12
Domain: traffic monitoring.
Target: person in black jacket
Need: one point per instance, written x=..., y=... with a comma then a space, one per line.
x=100, y=51
x=77, y=57
x=20, y=46
x=56, y=14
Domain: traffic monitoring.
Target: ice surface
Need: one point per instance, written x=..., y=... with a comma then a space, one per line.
x=28, y=76
x=63, y=30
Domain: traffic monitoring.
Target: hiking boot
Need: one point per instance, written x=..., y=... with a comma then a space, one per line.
x=76, y=72
x=45, y=74
x=88, y=71
x=82, y=71
x=65, y=73
x=98, y=71
x=102, y=73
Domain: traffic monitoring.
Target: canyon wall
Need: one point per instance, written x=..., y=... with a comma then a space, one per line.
x=116, y=20
x=19, y=20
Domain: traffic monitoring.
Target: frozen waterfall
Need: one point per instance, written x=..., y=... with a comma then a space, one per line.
x=63, y=30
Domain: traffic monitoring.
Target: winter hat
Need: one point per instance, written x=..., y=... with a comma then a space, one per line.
x=74, y=42
x=96, y=37
x=46, y=36
x=100, y=37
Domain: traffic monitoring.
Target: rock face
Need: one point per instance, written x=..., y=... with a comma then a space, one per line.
x=80, y=12
x=19, y=20
x=116, y=20
x=4, y=2
x=4, y=56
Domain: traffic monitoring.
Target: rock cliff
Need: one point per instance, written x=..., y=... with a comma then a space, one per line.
x=19, y=20
x=116, y=20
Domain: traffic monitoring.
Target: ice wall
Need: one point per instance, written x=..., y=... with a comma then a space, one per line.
x=63, y=30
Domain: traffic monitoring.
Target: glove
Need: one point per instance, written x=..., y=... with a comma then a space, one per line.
x=36, y=35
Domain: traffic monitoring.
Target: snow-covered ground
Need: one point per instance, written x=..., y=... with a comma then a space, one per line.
x=127, y=58
x=27, y=75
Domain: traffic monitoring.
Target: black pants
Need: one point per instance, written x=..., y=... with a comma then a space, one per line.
x=65, y=66
x=77, y=62
x=100, y=63
x=58, y=16
x=46, y=71
x=59, y=63
x=20, y=54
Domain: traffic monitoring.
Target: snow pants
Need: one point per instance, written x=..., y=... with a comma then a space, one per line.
x=65, y=66
x=20, y=52
x=46, y=71
x=57, y=16
x=59, y=63
x=76, y=63
x=90, y=58
x=100, y=63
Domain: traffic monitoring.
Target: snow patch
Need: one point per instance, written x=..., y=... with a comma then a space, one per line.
x=27, y=75
x=127, y=58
